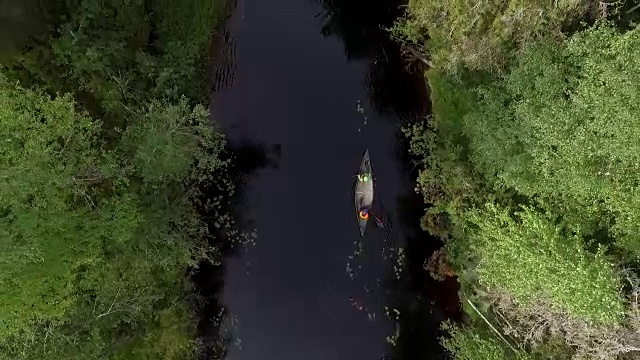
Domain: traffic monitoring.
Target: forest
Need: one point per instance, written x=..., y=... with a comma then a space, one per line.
x=530, y=165
x=105, y=149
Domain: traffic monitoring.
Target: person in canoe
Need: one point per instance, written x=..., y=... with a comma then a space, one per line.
x=364, y=213
x=364, y=178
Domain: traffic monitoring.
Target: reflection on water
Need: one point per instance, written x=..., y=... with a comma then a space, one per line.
x=362, y=25
x=312, y=288
x=225, y=64
x=216, y=326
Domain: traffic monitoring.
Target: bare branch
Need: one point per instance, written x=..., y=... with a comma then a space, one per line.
x=110, y=307
x=535, y=323
x=490, y=324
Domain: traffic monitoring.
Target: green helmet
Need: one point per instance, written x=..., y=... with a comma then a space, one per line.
x=365, y=178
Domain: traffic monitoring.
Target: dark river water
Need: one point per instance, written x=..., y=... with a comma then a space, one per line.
x=310, y=86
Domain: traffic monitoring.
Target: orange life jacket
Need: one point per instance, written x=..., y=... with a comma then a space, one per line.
x=363, y=215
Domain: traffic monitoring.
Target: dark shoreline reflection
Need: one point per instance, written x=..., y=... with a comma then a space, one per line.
x=398, y=91
x=214, y=328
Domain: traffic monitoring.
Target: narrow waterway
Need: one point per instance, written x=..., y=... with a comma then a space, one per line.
x=314, y=84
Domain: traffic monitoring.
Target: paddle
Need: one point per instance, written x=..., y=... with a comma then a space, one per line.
x=379, y=221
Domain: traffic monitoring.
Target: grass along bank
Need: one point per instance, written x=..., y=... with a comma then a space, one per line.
x=105, y=145
x=530, y=172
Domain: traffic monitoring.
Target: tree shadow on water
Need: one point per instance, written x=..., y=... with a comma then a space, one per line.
x=396, y=88
x=423, y=302
x=213, y=323
x=359, y=23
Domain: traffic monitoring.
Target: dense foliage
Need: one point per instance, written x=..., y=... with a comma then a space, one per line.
x=101, y=215
x=466, y=344
x=530, y=259
x=531, y=171
x=484, y=34
x=569, y=118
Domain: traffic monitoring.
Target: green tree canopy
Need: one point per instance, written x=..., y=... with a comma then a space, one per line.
x=532, y=260
x=563, y=127
x=102, y=216
x=52, y=172
x=483, y=35
x=464, y=343
x=96, y=243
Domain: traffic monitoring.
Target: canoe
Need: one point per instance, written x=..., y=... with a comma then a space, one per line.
x=364, y=191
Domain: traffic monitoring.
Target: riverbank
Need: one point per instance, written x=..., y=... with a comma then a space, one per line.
x=106, y=191
x=527, y=176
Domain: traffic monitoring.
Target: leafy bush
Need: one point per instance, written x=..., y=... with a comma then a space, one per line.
x=86, y=253
x=533, y=262
x=466, y=344
x=47, y=155
x=117, y=54
x=101, y=219
x=483, y=34
x=549, y=143
x=562, y=127
x=164, y=141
